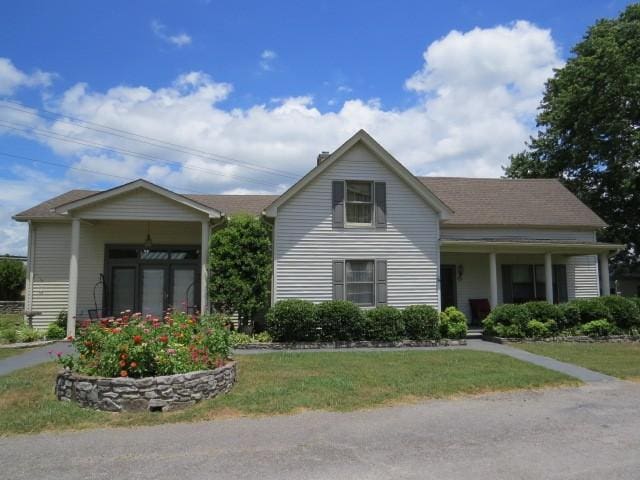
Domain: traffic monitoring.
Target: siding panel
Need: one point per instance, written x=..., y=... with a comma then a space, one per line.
x=306, y=242
x=483, y=233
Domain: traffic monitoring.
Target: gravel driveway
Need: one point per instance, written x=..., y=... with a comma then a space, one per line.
x=590, y=432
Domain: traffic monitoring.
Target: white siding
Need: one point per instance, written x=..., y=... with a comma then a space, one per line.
x=140, y=204
x=480, y=233
x=306, y=243
x=50, y=263
x=582, y=276
x=94, y=237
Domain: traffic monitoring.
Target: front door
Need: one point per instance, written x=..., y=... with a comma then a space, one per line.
x=151, y=281
x=448, y=286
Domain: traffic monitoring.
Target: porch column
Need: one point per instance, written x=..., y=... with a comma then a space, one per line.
x=204, y=264
x=548, y=278
x=73, y=277
x=493, y=280
x=604, y=274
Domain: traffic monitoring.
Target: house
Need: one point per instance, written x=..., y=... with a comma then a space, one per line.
x=359, y=226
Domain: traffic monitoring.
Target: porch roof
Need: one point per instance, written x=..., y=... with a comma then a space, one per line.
x=528, y=246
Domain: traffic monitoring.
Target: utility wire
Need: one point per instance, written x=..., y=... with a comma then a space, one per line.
x=70, y=139
x=145, y=139
x=85, y=170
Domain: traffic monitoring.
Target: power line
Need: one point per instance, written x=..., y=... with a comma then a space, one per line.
x=70, y=139
x=86, y=170
x=151, y=140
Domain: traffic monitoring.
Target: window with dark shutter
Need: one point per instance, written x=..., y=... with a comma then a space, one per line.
x=381, y=204
x=381, y=282
x=338, y=279
x=338, y=203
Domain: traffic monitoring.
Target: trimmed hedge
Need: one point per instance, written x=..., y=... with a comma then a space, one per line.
x=606, y=315
x=421, y=322
x=340, y=320
x=302, y=321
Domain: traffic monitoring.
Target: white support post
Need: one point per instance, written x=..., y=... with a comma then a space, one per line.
x=204, y=259
x=73, y=278
x=548, y=278
x=604, y=274
x=493, y=280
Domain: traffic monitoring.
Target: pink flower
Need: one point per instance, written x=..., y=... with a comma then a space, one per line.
x=171, y=351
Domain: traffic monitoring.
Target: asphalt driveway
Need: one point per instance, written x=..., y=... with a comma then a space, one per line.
x=591, y=432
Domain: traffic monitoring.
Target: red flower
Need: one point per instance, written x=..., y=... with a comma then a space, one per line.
x=137, y=339
x=163, y=339
x=70, y=337
x=134, y=364
x=122, y=363
x=123, y=373
x=123, y=356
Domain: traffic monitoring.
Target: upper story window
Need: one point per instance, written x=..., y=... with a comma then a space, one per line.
x=359, y=203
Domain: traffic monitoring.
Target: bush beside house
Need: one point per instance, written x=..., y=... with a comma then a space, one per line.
x=303, y=321
x=598, y=316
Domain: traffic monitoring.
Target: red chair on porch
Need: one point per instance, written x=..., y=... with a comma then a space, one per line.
x=480, y=308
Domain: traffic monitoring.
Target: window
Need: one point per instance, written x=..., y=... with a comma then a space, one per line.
x=524, y=283
x=360, y=282
x=359, y=203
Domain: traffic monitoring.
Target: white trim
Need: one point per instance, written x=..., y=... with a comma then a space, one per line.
x=30, y=265
x=394, y=165
x=204, y=267
x=128, y=187
x=603, y=269
x=479, y=246
x=493, y=280
x=72, y=303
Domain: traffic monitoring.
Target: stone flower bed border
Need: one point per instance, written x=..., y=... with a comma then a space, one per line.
x=354, y=344
x=568, y=339
x=161, y=393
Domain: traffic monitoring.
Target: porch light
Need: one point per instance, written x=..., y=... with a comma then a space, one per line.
x=148, y=243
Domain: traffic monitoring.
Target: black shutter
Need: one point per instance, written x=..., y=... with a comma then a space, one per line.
x=560, y=280
x=507, y=285
x=381, y=282
x=381, y=204
x=338, y=203
x=338, y=279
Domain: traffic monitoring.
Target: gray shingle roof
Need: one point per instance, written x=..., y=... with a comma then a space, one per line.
x=509, y=202
x=475, y=201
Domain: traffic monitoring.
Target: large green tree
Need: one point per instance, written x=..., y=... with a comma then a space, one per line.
x=240, y=268
x=12, y=278
x=589, y=130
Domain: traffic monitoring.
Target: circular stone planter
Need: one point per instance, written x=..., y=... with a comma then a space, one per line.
x=164, y=393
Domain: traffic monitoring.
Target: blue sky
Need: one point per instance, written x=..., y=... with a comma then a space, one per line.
x=450, y=88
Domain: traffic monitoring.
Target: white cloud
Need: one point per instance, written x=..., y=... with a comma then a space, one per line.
x=476, y=98
x=12, y=78
x=267, y=57
x=160, y=30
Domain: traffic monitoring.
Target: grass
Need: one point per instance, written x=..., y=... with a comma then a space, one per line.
x=620, y=360
x=9, y=322
x=281, y=383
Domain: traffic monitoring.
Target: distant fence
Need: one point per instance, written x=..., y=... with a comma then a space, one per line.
x=12, y=306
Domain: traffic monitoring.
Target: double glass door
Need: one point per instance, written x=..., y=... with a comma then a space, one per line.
x=152, y=286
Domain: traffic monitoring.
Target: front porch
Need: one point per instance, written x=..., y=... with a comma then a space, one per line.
x=517, y=271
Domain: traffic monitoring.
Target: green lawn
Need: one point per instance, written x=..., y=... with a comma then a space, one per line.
x=280, y=383
x=617, y=359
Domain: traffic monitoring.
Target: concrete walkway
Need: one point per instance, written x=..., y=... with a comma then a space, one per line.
x=581, y=373
x=32, y=357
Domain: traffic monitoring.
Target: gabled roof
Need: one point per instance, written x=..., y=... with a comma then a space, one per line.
x=135, y=185
x=363, y=137
x=508, y=202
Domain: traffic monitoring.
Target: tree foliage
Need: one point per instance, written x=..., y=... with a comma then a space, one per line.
x=589, y=129
x=12, y=278
x=240, y=267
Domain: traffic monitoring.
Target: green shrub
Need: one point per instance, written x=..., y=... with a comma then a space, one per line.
x=544, y=311
x=27, y=334
x=453, y=323
x=55, y=332
x=511, y=314
x=625, y=313
x=552, y=326
x=384, y=324
x=237, y=338
x=570, y=315
x=598, y=328
x=536, y=329
x=263, y=337
x=592, y=309
x=340, y=320
x=421, y=322
x=293, y=321
x=509, y=331
x=9, y=335
x=61, y=320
